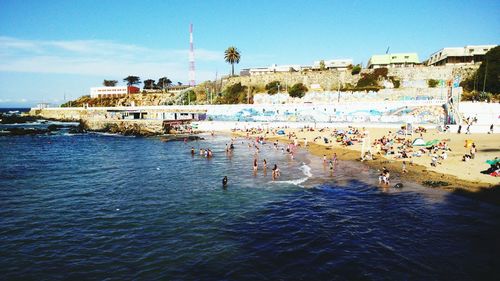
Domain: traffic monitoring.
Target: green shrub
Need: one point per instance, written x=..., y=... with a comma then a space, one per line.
x=298, y=90
x=355, y=69
x=272, y=87
x=432, y=83
x=234, y=94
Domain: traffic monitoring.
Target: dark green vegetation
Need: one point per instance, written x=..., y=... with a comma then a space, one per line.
x=235, y=94
x=298, y=90
x=370, y=81
x=273, y=87
x=356, y=69
x=485, y=83
x=132, y=80
x=432, y=83
x=109, y=83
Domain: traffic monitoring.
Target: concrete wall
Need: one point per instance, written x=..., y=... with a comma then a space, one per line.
x=486, y=113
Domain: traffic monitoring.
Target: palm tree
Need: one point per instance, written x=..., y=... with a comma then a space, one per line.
x=232, y=56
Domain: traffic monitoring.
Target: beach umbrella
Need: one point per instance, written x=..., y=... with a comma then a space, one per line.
x=418, y=142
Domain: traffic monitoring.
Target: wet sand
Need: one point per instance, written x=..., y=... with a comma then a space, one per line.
x=462, y=177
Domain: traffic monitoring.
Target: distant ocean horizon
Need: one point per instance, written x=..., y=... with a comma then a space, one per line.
x=20, y=109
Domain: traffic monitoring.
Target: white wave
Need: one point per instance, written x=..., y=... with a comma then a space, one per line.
x=296, y=182
x=306, y=170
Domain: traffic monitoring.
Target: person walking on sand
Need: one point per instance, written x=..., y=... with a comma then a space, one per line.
x=491, y=129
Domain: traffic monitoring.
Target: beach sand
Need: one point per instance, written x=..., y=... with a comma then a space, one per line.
x=463, y=177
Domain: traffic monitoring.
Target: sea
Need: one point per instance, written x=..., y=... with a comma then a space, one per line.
x=99, y=206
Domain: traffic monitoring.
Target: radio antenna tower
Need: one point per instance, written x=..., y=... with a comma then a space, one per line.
x=191, y=57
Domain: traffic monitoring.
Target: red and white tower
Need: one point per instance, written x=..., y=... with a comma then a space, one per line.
x=191, y=57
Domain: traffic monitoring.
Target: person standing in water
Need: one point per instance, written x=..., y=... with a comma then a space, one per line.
x=192, y=151
x=276, y=172
x=255, y=165
x=264, y=165
x=224, y=182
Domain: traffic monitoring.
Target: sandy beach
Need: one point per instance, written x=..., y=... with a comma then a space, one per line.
x=461, y=177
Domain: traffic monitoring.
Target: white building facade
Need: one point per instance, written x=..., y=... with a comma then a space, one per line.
x=459, y=55
x=334, y=64
x=96, y=92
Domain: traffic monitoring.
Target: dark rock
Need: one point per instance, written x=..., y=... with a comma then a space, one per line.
x=77, y=129
x=29, y=131
x=435, y=183
x=16, y=119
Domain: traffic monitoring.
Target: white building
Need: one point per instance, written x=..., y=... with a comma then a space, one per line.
x=459, y=55
x=334, y=64
x=96, y=92
x=272, y=69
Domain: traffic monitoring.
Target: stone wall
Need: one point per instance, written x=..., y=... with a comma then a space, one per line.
x=331, y=80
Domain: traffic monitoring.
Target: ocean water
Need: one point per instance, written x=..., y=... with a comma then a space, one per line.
x=106, y=207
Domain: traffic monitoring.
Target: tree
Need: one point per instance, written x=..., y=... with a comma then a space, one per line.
x=273, y=87
x=149, y=84
x=487, y=76
x=132, y=80
x=164, y=82
x=322, y=65
x=109, y=83
x=298, y=90
x=232, y=56
x=188, y=97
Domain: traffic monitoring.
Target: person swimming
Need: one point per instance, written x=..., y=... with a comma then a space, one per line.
x=224, y=182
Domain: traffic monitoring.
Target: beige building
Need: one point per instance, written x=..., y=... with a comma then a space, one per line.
x=459, y=55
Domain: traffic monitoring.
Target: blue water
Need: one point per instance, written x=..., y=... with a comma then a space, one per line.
x=104, y=207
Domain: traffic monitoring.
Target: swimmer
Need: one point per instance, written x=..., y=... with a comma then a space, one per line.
x=224, y=182
x=192, y=151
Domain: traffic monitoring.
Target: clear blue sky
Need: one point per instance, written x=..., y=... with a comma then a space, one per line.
x=49, y=49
